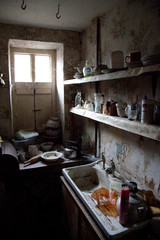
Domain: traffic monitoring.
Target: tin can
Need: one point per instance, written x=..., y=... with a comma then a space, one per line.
x=147, y=108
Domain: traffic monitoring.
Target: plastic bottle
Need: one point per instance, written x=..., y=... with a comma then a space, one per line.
x=87, y=70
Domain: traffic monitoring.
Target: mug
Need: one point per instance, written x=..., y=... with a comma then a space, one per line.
x=133, y=57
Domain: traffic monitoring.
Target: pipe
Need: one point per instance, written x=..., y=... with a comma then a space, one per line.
x=98, y=61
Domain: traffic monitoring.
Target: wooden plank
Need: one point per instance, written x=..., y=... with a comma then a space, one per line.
x=145, y=130
x=116, y=75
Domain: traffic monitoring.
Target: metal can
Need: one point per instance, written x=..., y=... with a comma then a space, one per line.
x=147, y=108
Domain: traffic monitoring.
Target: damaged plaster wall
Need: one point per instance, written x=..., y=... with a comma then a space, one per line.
x=71, y=41
x=136, y=158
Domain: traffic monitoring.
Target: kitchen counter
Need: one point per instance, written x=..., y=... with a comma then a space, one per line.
x=57, y=165
x=43, y=187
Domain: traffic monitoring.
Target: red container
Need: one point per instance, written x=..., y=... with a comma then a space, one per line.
x=124, y=205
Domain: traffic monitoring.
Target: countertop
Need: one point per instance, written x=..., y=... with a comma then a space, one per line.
x=57, y=165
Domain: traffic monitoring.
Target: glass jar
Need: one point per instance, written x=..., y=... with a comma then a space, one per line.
x=97, y=100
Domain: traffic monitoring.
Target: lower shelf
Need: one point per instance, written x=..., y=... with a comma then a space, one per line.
x=145, y=130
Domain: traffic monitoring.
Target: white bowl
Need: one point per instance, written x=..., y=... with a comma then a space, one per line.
x=51, y=156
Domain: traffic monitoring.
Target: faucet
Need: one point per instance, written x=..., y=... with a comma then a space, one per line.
x=103, y=160
x=110, y=170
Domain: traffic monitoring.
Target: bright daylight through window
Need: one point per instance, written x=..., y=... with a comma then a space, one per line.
x=32, y=67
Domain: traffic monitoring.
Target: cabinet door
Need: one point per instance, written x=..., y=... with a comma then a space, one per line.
x=79, y=223
x=86, y=230
x=70, y=214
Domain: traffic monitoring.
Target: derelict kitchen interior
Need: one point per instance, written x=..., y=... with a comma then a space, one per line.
x=38, y=199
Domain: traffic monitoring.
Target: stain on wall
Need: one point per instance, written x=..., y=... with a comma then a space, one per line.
x=131, y=26
x=72, y=52
x=136, y=158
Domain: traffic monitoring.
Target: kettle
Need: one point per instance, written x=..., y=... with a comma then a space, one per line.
x=138, y=208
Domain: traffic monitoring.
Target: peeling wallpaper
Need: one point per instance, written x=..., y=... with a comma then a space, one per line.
x=133, y=25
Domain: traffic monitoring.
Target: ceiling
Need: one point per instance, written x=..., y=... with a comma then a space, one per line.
x=75, y=14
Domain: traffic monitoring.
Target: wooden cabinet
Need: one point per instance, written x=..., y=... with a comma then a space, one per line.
x=80, y=225
x=78, y=222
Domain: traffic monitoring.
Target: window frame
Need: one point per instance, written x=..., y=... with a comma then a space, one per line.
x=32, y=53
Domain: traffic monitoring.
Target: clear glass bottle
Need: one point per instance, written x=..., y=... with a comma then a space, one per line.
x=97, y=100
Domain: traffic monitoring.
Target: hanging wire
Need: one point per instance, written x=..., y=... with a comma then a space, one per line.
x=57, y=15
x=23, y=6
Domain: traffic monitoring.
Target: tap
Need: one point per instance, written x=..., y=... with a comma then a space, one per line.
x=110, y=170
x=103, y=160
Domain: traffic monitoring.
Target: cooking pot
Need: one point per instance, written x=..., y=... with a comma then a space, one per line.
x=72, y=150
x=70, y=153
x=138, y=208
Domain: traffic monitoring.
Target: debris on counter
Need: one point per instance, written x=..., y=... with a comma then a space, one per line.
x=106, y=201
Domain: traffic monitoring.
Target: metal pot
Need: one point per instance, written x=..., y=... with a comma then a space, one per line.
x=72, y=150
x=138, y=208
x=70, y=153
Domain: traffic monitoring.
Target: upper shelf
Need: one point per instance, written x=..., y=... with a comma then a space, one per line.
x=116, y=75
x=145, y=130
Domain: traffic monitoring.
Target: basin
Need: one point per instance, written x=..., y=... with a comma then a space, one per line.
x=87, y=179
x=84, y=180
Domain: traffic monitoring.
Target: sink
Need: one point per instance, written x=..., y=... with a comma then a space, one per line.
x=84, y=180
x=89, y=177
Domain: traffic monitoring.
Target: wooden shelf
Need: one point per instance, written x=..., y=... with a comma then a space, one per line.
x=145, y=130
x=116, y=75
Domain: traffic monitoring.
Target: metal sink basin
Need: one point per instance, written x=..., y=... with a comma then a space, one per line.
x=84, y=180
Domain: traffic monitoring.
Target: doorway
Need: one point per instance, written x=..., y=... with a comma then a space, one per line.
x=33, y=87
x=33, y=102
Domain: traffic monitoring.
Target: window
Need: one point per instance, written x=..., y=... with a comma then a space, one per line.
x=32, y=66
x=42, y=68
x=22, y=68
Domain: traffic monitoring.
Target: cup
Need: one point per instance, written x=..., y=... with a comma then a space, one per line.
x=121, y=109
x=133, y=57
x=132, y=112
